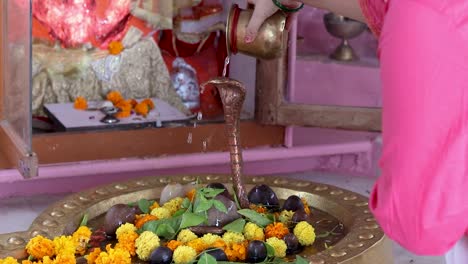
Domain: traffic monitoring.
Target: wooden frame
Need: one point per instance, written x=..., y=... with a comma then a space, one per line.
x=273, y=109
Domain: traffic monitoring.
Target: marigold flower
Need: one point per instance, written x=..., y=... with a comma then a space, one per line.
x=186, y=235
x=154, y=205
x=233, y=237
x=161, y=212
x=149, y=103
x=8, y=260
x=64, y=245
x=305, y=233
x=184, y=255
x=174, y=204
x=209, y=239
x=173, y=244
x=48, y=260
x=276, y=229
x=81, y=238
x=115, y=47
x=253, y=232
x=306, y=206
x=124, y=229
x=124, y=105
x=114, y=256
x=236, y=252
x=219, y=244
x=143, y=219
x=115, y=97
x=285, y=216
x=142, y=109
x=145, y=244
x=279, y=245
x=80, y=103
x=39, y=246
x=133, y=102
x=65, y=259
x=126, y=236
x=258, y=208
x=198, y=245
x=191, y=194
x=91, y=258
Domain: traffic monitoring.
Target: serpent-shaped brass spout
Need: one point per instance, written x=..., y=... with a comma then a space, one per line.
x=232, y=95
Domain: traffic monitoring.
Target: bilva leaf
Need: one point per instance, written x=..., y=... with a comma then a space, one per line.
x=211, y=192
x=220, y=206
x=301, y=260
x=270, y=250
x=206, y=258
x=165, y=230
x=144, y=205
x=203, y=206
x=235, y=226
x=255, y=217
x=191, y=219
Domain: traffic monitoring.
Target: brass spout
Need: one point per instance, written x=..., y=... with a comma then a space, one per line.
x=232, y=95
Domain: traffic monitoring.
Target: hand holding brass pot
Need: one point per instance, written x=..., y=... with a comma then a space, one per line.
x=271, y=40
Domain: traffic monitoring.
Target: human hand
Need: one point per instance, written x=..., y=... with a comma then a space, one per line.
x=263, y=10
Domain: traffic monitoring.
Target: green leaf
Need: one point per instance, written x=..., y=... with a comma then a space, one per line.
x=220, y=206
x=191, y=219
x=301, y=260
x=165, y=230
x=211, y=192
x=84, y=220
x=179, y=212
x=235, y=226
x=255, y=217
x=270, y=250
x=206, y=258
x=186, y=203
x=144, y=205
x=203, y=206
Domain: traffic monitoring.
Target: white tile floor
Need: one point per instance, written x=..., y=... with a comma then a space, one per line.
x=18, y=213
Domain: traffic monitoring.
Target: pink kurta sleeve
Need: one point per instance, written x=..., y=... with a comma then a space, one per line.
x=374, y=12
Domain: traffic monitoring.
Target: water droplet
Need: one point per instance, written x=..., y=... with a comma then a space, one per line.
x=189, y=138
x=226, y=63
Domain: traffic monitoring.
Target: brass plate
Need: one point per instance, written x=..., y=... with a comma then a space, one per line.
x=363, y=243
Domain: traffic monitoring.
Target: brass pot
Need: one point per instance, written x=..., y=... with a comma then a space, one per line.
x=270, y=42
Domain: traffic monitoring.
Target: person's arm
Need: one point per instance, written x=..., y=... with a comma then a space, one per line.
x=266, y=8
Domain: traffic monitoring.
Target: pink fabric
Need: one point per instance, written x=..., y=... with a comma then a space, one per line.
x=421, y=198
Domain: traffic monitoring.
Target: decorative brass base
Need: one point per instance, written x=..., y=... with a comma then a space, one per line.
x=344, y=52
x=363, y=243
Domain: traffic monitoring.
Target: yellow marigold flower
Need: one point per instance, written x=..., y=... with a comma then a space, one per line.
x=8, y=260
x=253, y=232
x=80, y=103
x=149, y=103
x=91, y=258
x=114, y=256
x=279, y=245
x=126, y=241
x=174, y=204
x=161, y=212
x=210, y=239
x=154, y=205
x=39, y=246
x=65, y=259
x=64, y=245
x=285, y=216
x=81, y=238
x=236, y=252
x=305, y=233
x=198, y=245
x=306, y=206
x=184, y=254
x=115, y=47
x=48, y=260
x=276, y=229
x=125, y=229
x=233, y=237
x=115, y=97
x=185, y=235
x=173, y=244
x=143, y=218
x=145, y=244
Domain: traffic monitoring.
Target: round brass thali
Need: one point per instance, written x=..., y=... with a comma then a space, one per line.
x=363, y=241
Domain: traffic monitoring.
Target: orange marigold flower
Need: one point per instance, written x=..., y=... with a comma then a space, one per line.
x=276, y=229
x=306, y=206
x=197, y=244
x=219, y=244
x=81, y=238
x=115, y=97
x=191, y=194
x=236, y=252
x=173, y=244
x=115, y=47
x=258, y=208
x=123, y=114
x=65, y=259
x=125, y=105
x=39, y=247
x=142, y=219
x=148, y=102
x=133, y=102
x=142, y=109
x=127, y=242
x=80, y=103
x=91, y=258
x=154, y=205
